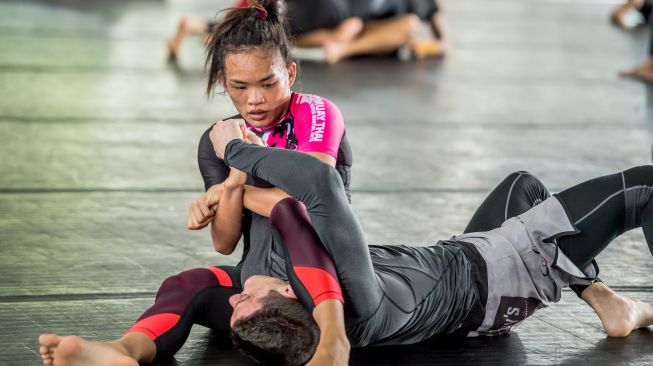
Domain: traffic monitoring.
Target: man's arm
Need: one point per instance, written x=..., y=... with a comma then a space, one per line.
x=262, y=200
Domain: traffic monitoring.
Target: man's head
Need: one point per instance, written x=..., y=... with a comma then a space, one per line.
x=270, y=325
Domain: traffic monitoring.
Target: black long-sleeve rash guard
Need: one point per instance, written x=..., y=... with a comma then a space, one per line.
x=392, y=294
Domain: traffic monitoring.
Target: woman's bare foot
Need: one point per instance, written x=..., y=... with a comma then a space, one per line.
x=620, y=315
x=74, y=351
x=643, y=72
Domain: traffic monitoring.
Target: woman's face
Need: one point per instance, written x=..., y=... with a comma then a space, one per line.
x=258, y=82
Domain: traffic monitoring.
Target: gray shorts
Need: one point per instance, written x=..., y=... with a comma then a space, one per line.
x=526, y=271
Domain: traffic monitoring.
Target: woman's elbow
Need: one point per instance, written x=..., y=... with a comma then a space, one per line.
x=224, y=250
x=224, y=247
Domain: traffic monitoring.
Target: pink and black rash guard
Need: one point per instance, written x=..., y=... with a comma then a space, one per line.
x=311, y=124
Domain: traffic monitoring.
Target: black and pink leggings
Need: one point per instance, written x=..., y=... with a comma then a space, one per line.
x=197, y=296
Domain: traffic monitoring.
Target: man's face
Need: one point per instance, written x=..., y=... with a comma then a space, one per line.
x=258, y=83
x=255, y=288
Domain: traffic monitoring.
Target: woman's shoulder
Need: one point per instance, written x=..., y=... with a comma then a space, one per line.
x=310, y=103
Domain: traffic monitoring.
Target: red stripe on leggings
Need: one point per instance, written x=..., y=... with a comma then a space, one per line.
x=155, y=325
x=319, y=283
x=222, y=276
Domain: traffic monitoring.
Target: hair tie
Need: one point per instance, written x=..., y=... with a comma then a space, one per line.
x=262, y=13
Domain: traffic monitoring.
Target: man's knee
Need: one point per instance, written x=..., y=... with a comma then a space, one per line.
x=639, y=176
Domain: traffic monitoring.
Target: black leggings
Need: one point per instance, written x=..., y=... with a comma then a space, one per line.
x=604, y=208
x=516, y=194
x=601, y=209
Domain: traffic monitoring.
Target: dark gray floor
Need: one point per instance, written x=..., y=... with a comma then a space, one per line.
x=98, y=138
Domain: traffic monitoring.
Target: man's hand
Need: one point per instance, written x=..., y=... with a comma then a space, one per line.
x=225, y=131
x=200, y=213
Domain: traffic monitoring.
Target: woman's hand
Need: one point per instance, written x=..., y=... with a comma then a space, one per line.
x=212, y=196
x=225, y=131
x=252, y=138
x=202, y=210
x=200, y=213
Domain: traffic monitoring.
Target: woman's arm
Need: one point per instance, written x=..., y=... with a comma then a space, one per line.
x=333, y=347
x=226, y=226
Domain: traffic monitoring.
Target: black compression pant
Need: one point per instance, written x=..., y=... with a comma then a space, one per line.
x=516, y=194
x=606, y=207
x=601, y=209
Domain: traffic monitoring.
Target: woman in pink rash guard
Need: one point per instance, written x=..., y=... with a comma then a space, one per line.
x=249, y=56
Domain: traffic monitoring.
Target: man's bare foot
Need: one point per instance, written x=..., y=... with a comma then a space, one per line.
x=620, y=315
x=627, y=315
x=643, y=72
x=74, y=351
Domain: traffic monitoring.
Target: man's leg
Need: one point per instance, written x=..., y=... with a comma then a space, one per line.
x=198, y=296
x=602, y=209
x=516, y=194
x=620, y=315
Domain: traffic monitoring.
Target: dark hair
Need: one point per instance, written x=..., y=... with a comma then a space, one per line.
x=281, y=333
x=246, y=29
